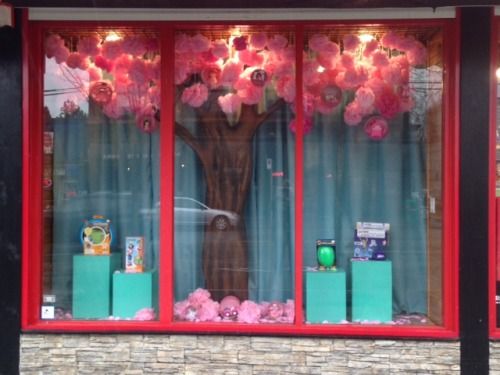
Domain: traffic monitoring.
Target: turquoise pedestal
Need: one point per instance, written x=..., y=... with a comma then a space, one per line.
x=325, y=296
x=372, y=290
x=132, y=292
x=92, y=285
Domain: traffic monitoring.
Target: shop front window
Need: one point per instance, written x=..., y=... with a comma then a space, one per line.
x=288, y=179
x=100, y=174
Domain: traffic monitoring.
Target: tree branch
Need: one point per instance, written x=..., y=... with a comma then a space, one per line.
x=272, y=108
x=188, y=138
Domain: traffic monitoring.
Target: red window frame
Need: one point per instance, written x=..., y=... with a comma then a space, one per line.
x=494, y=202
x=32, y=195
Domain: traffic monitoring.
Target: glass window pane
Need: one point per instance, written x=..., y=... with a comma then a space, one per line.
x=101, y=174
x=372, y=175
x=234, y=173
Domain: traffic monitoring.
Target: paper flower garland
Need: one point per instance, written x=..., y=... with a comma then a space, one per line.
x=369, y=76
x=131, y=66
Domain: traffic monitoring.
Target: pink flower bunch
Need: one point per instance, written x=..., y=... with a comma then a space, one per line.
x=77, y=60
x=198, y=307
x=112, y=49
x=387, y=103
x=145, y=314
x=89, y=45
x=220, y=49
x=195, y=95
x=258, y=41
x=229, y=103
x=134, y=45
x=351, y=42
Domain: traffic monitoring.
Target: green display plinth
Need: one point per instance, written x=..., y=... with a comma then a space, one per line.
x=325, y=296
x=133, y=292
x=372, y=291
x=92, y=285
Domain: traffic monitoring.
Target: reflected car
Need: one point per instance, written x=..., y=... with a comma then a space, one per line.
x=190, y=211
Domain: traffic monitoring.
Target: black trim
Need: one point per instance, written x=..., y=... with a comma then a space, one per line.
x=10, y=197
x=475, y=26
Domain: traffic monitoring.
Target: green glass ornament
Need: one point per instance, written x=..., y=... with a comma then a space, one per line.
x=326, y=253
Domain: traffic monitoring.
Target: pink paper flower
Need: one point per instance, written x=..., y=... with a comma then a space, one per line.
x=251, y=94
x=347, y=61
x=113, y=109
x=249, y=312
x=145, y=314
x=89, y=45
x=208, y=311
x=111, y=49
x=122, y=64
x=74, y=60
x=199, y=43
x=376, y=128
x=195, y=95
x=210, y=76
x=61, y=54
x=352, y=114
x=198, y=297
x=258, y=41
x=327, y=60
x=180, y=309
x=52, y=43
x=240, y=43
x=103, y=63
x=230, y=73
x=182, y=43
x=351, y=42
x=134, y=45
x=220, y=49
x=289, y=311
x=380, y=59
x=390, y=40
x=138, y=71
x=285, y=88
x=277, y=43
x=387, y=103
x=229, y=103
x=318, y=42
x=393, y=75
x=365, y=98
x=250, y=58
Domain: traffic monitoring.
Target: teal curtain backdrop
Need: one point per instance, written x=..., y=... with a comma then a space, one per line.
x=107, y=168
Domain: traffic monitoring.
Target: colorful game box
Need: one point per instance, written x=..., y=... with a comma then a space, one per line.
x=370, y=240
x=134, y=254
x=96, y=236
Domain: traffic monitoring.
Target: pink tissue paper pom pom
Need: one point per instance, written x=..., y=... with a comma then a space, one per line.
x=199, y=43
x=134, y=45
x=277, y=43
x=195, y=95
x=89, y=45
x=380, y=59
x=285, y=88
x=103, y=63
x=182, y=43
x=327, y=60
x=289, y=310
x=351, y=42
x=250, y=58
x=180, y=309
x=390, y=40
x=198, y=297
x=138, y=71
x=240, y=43
x=365, y=98
x=311, y=75
x=308, y=125
x=208, y=311
x=258, y=41
x=318, y=42
x=74, y=60
x=111, y=49
x=122, y=64
x=52, y=43
x=61, y=54
x=220, y=49
x=352, y=114
x=331, y=48
x=145, y=314
x=370, y=47
x=288, y=54
x=230, y=73
x=393, y=75
x=249, y=312
x=251, y=94
x=387, y=103
x=347, y=60
x=229, y=103
x=208, y=57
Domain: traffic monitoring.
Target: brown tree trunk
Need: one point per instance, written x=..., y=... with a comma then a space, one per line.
x=225, y=152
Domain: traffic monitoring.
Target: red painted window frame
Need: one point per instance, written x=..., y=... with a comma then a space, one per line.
x=494, y=202
x=32, y=191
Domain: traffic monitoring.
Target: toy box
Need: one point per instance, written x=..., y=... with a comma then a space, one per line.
x=96, y=236
x=134, y=254
x=370, y=240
